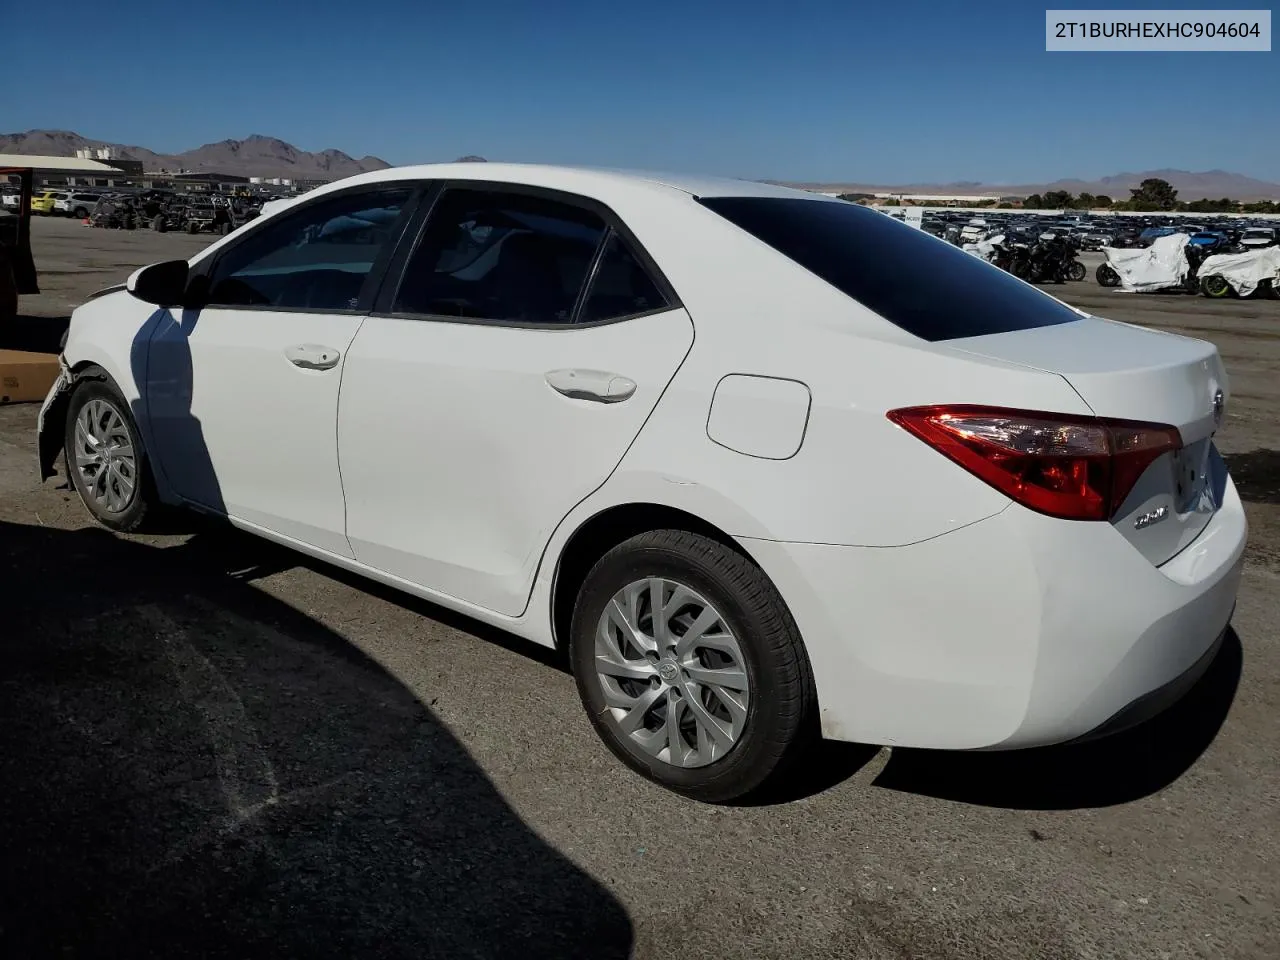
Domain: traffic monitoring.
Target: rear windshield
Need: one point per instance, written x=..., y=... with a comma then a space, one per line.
x=927, y=287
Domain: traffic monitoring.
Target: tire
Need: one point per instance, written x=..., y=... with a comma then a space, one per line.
x=1076, y=270
x=193, y=227
x=1215, y=286
x=756, y=633
x=80, y=213
x=1106, y=276
x=158, y=224
x=112, y=507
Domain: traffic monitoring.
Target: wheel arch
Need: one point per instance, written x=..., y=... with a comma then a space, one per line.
x=604, y=530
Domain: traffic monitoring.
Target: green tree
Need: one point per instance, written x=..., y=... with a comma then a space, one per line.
x=1086, y=201
x=1033, y=202
x=1101, y=201
x=1056, y=199
x=1154, y=194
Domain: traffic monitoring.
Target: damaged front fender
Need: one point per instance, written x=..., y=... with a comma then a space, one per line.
x=51, y=425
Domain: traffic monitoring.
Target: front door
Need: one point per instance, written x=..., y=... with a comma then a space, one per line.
x=523, y=351
x=242, y=394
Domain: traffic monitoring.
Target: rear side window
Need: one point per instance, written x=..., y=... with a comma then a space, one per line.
x=930, y=289
x=621, y=286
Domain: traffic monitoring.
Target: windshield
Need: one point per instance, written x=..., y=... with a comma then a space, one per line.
x=920, y=284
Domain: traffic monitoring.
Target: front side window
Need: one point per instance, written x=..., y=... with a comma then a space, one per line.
x=500, y=256
x=315, y=258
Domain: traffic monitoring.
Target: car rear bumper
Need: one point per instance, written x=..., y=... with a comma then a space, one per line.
x=1015, y=631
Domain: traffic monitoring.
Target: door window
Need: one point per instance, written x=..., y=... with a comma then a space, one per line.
x=621, y=286
x=315, y=258
x=501, y=256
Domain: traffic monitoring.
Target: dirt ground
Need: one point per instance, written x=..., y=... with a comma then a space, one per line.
x=213, y=747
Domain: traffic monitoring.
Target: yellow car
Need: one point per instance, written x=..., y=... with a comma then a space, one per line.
x=42, y=203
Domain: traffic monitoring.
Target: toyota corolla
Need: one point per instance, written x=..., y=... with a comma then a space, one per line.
x=768, y=465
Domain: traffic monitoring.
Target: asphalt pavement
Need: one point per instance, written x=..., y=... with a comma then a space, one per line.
x=210, y=746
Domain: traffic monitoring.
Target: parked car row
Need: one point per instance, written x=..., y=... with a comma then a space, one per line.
x=1097, y=233
x=164, y=211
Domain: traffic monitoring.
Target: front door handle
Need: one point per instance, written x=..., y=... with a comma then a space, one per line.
x=599, y=386
x=312, y=356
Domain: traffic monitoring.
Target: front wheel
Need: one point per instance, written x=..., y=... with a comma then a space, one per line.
x=690, y=666
x=1215, y=286
x=105, y=461
x=1106, y=276
x=1076, y=270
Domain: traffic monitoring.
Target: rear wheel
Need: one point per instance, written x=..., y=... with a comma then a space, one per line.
x=1215, y=286
x=105, y=460
x=690, y=666
x=1076, y=270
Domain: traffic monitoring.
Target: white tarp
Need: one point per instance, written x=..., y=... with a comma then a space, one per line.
x=985, y=249
x=1244, y=271
x=1157, y=267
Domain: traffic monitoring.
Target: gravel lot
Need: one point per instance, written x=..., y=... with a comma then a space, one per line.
x=213, y=747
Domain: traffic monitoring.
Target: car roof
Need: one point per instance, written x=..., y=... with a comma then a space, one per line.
x=589, y=180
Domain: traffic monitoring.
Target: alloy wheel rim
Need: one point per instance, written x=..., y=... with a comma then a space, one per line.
x=104, y=455
x=673, y=674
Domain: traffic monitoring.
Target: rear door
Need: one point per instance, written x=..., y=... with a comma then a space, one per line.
x=500, y=384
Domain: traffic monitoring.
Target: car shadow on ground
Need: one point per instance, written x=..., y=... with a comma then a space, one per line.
x=1116, y=769
x=34, y=334
x=193, y=768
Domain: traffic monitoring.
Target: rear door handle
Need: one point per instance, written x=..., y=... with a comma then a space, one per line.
x=598, y=386
x=313, y=356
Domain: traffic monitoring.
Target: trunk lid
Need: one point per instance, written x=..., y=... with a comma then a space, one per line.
x=1133, y=373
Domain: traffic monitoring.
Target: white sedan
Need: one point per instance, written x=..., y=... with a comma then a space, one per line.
x=768, y=465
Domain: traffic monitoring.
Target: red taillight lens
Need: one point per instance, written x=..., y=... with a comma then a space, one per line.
x=1076, y=468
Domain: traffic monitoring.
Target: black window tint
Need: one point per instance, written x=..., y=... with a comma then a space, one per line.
x=315, y=258
x=931, y=289
x=494, y=255
x=621, y=287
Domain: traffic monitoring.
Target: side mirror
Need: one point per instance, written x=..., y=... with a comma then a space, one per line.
x=164, y=284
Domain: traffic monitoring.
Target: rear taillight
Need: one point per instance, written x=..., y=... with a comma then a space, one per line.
x=1076, y=468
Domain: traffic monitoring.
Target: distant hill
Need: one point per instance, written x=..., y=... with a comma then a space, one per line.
x=259, y=156
x=1210, y=184
x=255, y=156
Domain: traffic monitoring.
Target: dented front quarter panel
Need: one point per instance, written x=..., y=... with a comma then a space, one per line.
x=53, y=415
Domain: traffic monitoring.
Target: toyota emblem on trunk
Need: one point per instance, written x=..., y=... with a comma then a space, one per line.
x=1219, y=401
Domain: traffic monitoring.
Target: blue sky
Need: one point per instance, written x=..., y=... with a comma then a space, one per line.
x=889, y=92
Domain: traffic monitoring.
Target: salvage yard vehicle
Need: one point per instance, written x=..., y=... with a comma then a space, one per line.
x=886, y=494
x=1252, y=272
x=78, y=205
x=1167, y=264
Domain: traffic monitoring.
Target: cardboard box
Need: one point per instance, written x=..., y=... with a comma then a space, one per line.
x=26, y=376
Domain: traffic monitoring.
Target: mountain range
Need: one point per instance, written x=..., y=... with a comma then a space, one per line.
x=259, y=156
x=255, y=156
x=1209, y=184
